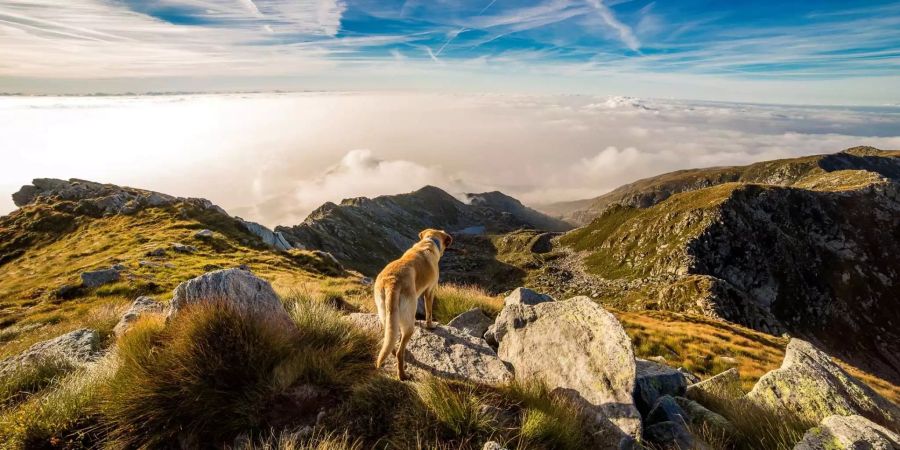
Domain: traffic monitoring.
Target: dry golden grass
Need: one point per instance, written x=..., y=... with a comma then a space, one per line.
x=697, y=343
x=29, y=312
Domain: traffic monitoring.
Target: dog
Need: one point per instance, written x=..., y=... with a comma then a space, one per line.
x=398, y=288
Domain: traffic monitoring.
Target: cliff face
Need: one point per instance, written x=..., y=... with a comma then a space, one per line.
x=366, y=233
x=818, y=258
x=650, y=191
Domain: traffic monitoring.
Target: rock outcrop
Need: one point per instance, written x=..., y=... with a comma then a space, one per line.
x=579, y=348
x=237, y=287
x=75, y=348
x=274, y=239
x=100, y=199
x=849, y=433
x=810, y=385
x=445, y=352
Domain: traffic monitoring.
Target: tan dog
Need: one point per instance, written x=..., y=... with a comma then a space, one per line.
x=399, y=286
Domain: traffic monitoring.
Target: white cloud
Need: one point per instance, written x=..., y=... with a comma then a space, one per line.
x=274, y=158
x=624, y=31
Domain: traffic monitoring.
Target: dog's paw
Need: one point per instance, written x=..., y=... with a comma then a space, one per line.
x=429, y=325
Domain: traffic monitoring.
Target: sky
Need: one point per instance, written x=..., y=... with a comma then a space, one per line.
x=796, y=52
x=273, y=158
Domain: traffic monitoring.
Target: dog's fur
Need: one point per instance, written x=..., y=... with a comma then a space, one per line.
x=398, y=288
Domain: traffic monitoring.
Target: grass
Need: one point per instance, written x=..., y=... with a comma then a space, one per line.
x=27, y=379
x=455, y=406
x=286, y=440
x=452, y=300
x=50, y=259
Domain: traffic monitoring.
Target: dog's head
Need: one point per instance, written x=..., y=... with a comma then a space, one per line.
x=440, y=236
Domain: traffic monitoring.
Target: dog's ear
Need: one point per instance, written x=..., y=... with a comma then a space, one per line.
x=422, y=234
x=447, y=239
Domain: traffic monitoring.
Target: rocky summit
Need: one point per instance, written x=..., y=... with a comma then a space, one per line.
x=364, y=234
x=806, y=246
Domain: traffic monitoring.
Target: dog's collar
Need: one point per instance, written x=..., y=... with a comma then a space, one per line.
x=437, y=243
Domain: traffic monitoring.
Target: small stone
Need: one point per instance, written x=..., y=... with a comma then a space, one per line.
x=97, y=278
x=203, y=234
x=120, y=267
x=493, y=445
x=157, y=252
x=181, y=248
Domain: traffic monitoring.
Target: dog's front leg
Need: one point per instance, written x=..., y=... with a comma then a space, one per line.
x=429, y=304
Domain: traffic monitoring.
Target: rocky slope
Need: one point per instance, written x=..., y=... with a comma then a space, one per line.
x=818, y=258
x=364, y=233
x=650, y=191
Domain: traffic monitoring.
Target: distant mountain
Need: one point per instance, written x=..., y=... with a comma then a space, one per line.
x=365, y=234
x=810, y=247
x=650, y=191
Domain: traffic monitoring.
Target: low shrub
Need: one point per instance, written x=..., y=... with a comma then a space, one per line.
x=452, y=300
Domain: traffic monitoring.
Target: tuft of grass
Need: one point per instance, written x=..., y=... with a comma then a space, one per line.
x=452, y=300
x=62, y=417
x=547, y=420
x=201, y=378
x=760, y=427
x=286, y=440
x=456, y=406
x=29, y=378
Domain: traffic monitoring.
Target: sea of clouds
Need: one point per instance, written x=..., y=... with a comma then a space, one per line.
x=274, y=158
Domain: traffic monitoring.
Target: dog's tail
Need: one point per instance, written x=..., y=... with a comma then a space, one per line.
x=391, y=323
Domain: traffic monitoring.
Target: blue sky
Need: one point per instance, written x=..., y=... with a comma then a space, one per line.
x=766, y=51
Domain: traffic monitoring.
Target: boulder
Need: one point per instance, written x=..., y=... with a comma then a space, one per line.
x=580, y=348
x=669, y=435
x=810, y=385
x=443, y=351
x=474, y=322
x=701, y=417
x=203, y=234
x=666, y=409
x=140, y=306
x=849, y=433
x=74, y=348
x=525, y=296
x=725, y=386
x=238, y=287
x=100, y=277
x=157, y=252
x=653, y=380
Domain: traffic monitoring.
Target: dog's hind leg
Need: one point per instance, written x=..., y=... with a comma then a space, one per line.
x=429, y=305
x=406, y=331
x=390, y=323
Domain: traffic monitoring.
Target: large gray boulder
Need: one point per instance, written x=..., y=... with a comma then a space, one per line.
x=75, y=348
x=235, y=286
x=653, y=380
x=141, y=305
x=810, y=385
x=473, y=322
x=849, y=433
x=100, y=277
x=525, y=296
x=443, y=351
x=580, y=348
